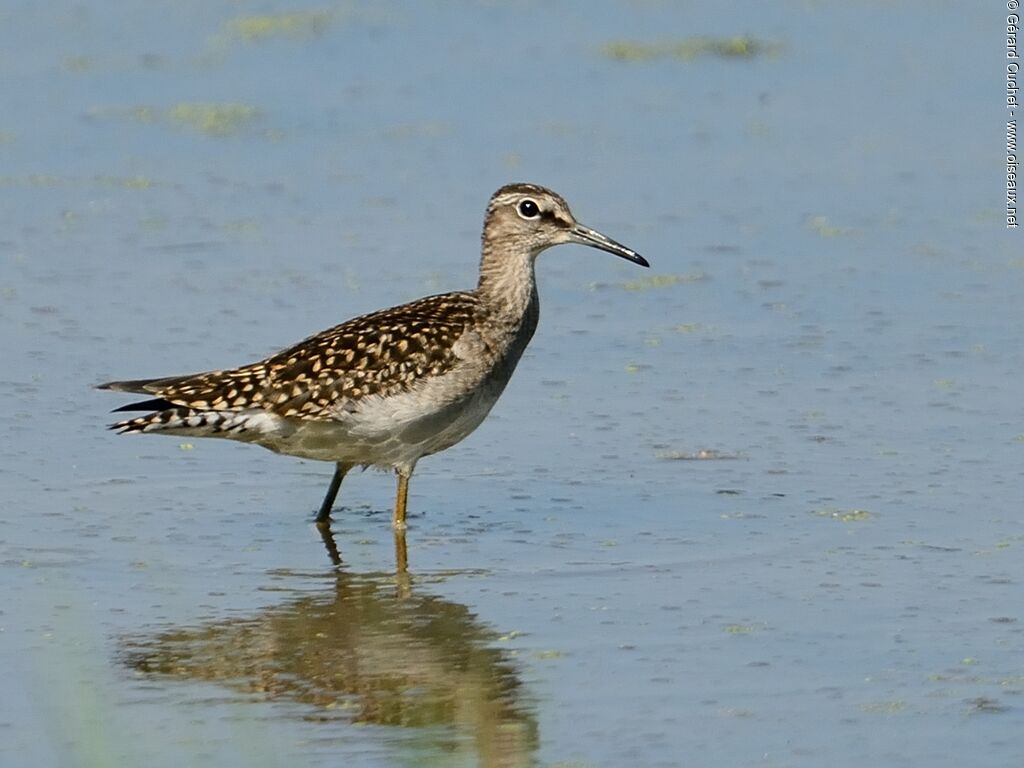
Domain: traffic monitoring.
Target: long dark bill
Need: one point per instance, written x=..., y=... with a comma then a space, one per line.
x=593, y=238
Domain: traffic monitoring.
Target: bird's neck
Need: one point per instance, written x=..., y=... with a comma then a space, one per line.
x=507, y=285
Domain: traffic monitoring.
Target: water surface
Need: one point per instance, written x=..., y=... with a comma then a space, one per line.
x=760, y=505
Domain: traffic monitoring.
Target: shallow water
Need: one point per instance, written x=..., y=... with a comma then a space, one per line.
x=758, y=505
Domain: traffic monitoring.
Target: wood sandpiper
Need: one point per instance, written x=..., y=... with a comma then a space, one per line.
x=387, y=388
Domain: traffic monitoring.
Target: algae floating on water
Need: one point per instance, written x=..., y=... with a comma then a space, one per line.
x=845, y=515
x=291, y=24
x=825, y=228
x=689, y=48
x=213, y=119
x=704, y=454
x=216, y=119
x=663, y=281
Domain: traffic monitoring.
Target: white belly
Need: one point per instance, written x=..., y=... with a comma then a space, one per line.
x=384, y=431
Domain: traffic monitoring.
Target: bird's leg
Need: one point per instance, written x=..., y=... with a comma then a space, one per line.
x=401, y=554
x=403, y=581
x=398, y=521
x=328, y=538
x=332, y=492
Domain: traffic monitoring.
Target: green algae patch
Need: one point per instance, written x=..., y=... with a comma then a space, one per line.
x=216, y=119
x=213, y=119
x=663, y=281
x=822, y=227
x=689, y=49
x=689, y=327
x=704, y=454
x=45, y=181
x=845, y=515
x=883, y=707
x=294, y=24
x=739, y=629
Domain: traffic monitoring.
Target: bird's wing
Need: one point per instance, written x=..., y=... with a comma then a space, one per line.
x=383, y=353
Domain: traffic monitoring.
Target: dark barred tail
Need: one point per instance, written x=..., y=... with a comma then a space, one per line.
x=142, y=386
x=172, y=419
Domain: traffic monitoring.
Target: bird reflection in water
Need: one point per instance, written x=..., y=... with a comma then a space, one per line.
x=366, y=649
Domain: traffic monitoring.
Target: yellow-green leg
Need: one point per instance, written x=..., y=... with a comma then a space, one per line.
x=340, y=471
x=398, y=521
x=401, y=553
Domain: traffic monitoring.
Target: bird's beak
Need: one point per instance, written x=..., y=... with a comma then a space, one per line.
x=593, y=238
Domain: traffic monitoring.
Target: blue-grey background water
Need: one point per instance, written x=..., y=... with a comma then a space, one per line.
x=760, y=505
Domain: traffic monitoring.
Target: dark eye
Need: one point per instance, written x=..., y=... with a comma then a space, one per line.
x=528, y=209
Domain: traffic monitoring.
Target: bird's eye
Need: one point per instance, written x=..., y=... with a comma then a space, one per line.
x=528, y=209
